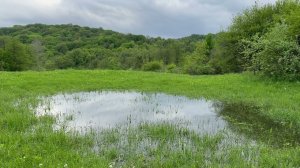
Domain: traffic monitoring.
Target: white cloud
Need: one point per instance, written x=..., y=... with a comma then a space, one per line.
x=168, y=18
x=100, y=13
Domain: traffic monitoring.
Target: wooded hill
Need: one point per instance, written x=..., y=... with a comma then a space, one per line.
x=41, y=47
x=263, y=39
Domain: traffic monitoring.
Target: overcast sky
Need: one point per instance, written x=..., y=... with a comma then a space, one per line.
x=166, y=18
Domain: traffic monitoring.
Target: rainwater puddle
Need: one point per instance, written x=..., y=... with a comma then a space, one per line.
x=108, y=109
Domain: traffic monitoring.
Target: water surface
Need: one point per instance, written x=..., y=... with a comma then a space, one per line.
x=107, y=109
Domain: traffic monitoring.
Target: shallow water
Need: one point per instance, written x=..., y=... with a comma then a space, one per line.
x=107, y=109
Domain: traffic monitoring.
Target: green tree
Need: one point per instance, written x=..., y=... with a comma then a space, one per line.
x=275, y=54
x=224, y=57
x=197, y=63
x=16, y=56
x=62, y=48
x=209, y=42
x=2, y=61
x=293, y=20
x=153, y=66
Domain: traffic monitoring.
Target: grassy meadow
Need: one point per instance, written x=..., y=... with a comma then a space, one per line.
x=30, y=141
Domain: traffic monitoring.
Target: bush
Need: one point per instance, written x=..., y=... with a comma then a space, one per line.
x=275, y=54
x=197, y=63
x=152, y=66
x=199, y=69
x=15, y=56
x=171, y=68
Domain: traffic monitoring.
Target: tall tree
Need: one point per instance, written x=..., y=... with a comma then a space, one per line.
x=16, y=56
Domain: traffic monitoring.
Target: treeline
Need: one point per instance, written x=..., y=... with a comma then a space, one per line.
x=262, y=39
x=46, y=47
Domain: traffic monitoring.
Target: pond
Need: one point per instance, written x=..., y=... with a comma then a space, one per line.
x=107, y=109
x=131, y=123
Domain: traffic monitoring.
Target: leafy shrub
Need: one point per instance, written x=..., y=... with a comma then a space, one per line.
x=275, y=54
x=108, y=63
x=152, y=66
x=172, y=68
x=197, y=63
x=195, y=69
x=15, y=56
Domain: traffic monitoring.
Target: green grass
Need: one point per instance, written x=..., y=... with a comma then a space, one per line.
x=28, y=141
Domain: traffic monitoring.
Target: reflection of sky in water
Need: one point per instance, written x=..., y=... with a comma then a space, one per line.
x=108, y=109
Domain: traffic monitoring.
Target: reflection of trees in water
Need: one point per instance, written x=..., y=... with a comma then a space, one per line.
x=247, y=119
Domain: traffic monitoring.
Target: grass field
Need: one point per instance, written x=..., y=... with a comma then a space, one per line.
x=29, y=141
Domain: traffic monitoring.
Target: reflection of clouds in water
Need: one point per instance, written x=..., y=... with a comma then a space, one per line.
x=108, y=109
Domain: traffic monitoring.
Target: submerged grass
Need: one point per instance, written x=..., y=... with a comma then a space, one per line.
x=246, y=119
x=30, y=141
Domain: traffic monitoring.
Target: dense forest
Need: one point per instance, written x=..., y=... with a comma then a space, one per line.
x=263, y=39
x=43, y=47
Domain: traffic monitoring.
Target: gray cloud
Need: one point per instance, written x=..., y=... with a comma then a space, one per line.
x=167, y=18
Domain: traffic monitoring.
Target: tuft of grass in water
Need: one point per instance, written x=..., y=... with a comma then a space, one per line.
x=168, y=145
x=29, y=141
x=249, y=120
